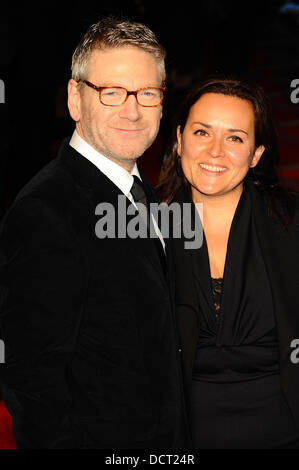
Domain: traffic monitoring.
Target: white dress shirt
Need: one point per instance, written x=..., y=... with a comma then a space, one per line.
x=118, y=175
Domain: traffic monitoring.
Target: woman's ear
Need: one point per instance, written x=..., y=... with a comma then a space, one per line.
x=179, y=139
x=256, y=156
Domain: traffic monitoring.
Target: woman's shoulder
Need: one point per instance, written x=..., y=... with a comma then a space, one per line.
x=277, y=202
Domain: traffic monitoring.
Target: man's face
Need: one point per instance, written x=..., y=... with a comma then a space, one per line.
x=121, y=133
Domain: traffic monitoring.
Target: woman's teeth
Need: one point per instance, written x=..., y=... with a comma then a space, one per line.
x=212, y=168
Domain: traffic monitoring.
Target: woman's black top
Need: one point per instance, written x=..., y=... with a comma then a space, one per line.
x=236, y=397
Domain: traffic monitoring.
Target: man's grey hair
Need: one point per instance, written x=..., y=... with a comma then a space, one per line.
x=111, y=33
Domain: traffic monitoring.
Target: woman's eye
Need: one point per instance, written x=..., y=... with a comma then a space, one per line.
x=201, y=132
x=236, y=138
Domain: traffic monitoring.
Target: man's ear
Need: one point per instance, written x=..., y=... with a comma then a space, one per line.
x=179, y=139
x=257, y=155
x=74, y=99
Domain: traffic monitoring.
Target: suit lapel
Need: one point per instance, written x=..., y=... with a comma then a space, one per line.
x=152, y=199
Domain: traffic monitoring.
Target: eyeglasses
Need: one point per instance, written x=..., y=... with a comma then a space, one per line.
x=116, y=96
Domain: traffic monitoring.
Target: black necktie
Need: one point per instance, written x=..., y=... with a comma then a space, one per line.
x=138, y=192
x=139, y=195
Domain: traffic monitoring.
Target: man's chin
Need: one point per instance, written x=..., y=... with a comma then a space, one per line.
x=125, y=159
x=128, y=154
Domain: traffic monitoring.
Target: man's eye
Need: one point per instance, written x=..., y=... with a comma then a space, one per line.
x=148, y=93
x=112, y=92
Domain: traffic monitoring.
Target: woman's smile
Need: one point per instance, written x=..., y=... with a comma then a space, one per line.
x=218, y=170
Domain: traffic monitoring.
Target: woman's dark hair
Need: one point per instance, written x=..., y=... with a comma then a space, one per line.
x=279, y=200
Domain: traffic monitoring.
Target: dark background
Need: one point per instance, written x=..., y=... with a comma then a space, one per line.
x=252, y=39
x=248, y=38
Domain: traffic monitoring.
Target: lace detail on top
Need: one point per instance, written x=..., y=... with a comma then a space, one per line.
x=217, y=291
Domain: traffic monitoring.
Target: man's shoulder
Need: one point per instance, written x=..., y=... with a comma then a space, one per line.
x=53, y=190
x=52, y=181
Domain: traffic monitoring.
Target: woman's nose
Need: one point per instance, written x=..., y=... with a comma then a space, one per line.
x=216, y=149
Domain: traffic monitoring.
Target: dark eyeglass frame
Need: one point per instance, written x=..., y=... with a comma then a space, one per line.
x=100, y=88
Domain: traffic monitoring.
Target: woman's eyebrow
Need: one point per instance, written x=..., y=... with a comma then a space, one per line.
x=208, y=126
x=203, y=124
x=237, y=130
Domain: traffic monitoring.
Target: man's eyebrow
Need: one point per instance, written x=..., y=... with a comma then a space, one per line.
x=118, y=85
x=208, y=126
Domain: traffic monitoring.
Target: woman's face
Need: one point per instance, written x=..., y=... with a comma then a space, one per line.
x=217, y=146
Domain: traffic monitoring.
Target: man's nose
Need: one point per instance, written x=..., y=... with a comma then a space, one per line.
x=130, y=109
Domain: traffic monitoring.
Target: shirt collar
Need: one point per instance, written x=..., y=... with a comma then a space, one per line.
x=118, y=175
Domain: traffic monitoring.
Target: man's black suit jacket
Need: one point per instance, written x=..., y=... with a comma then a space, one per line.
x=88, y=325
